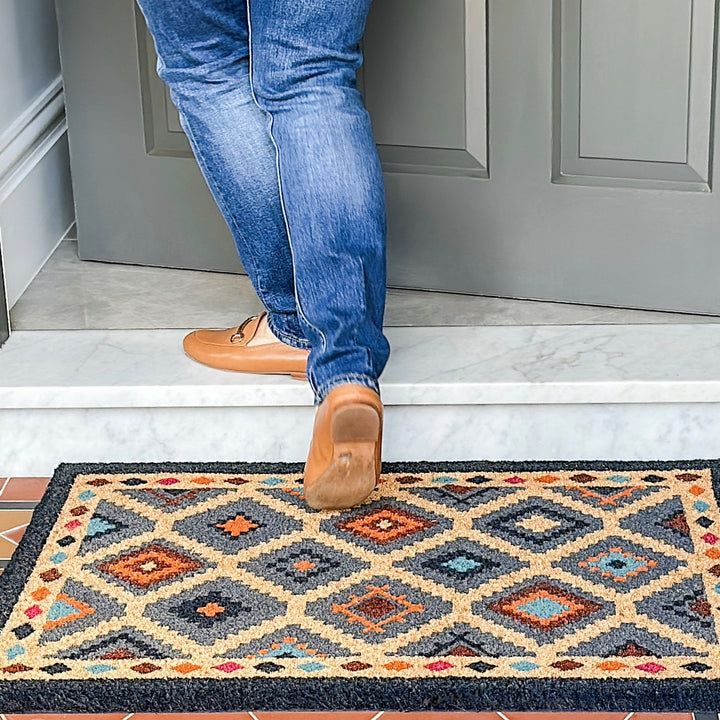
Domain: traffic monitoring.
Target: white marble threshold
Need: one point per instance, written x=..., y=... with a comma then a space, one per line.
x=451, y=366
x=36, y=441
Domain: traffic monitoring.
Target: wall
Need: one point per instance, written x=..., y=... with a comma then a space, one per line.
x=36, y=206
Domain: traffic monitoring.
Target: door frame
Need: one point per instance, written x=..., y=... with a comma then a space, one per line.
x=4, y=310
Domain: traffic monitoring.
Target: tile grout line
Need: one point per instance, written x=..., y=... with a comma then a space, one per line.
x=2, y=489
x=17, y=527
x=502, y=715
x=375, y=717
x=127, y=717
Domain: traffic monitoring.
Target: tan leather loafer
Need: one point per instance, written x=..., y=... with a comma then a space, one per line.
x=343, y=464
x=229, y=350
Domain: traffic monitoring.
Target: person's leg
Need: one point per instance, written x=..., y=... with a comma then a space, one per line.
x=303, y=57
x=202, y=48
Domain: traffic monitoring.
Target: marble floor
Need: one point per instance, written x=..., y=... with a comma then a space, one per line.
x=72, y=294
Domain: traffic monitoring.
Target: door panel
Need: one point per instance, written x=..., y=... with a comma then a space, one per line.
x=549, y=149
x=427, y=95
x=635, y=92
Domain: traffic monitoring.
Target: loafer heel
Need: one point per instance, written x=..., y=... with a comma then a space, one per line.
x=344, y=461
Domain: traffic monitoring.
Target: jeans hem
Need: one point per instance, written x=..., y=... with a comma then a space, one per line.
x=351, y=378
x=287, y=338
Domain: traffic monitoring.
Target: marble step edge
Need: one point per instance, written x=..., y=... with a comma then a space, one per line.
x=538, y=364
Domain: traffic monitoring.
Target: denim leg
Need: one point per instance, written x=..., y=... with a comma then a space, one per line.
x=202, y=48
x=303, y=57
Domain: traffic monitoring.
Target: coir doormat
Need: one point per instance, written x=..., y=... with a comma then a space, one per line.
x=572, y=585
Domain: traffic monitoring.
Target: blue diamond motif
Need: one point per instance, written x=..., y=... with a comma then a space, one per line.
x=86, y=495
x=311, y=667
x=701, y=506
x=60, y=610
x=544, y=608
x=14, y=651
x=462, y=564
x=99, y=668
x=444, y=480
x=98, y=526
x=58, y=557
x=525, y=666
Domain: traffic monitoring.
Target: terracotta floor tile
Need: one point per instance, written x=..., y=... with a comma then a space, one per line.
x=24, y=489
x=662, y=716
x=16, y=534
x=319, y=715
x=6, y=549
x=13, y=518
x=439, y=716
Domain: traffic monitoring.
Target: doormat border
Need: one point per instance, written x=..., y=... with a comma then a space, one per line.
x=341, y=694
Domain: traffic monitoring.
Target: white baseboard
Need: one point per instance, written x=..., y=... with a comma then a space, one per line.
x=36, y=207
x=23, y=142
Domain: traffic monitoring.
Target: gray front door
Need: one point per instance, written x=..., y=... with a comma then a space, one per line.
x=549, y=149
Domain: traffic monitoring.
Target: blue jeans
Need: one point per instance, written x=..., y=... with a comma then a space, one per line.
x=267, y=95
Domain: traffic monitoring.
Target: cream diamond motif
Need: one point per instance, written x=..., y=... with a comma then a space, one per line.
x=538, y=524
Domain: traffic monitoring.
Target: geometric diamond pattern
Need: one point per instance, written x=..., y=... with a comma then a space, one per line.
x=544, y=609
x=385, y=527
x=683, y=606
x=304, y=565
x=462, y=564
x=506, y=573
x=213, y=610
x=666, y=521
x=537, y=524
x=619, y=564
x=379, y=608
x=236, y=525
x=150, y=566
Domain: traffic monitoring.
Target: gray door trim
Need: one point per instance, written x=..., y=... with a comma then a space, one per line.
x=4, y=311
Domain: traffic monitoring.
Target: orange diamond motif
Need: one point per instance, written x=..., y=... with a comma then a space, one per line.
x=397, y=665
x=149, y=565
x=611, y=665
x=547, y=478
x=41, y=593
x=386, y=524
x=237, y=526
x=186, y=668
x=376, y=608
x=211, y=609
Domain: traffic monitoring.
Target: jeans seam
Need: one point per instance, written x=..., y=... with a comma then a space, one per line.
x=269, y=114
x=220, y=193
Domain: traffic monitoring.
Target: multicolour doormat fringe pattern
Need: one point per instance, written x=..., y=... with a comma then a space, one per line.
x=583, y=585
